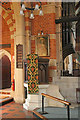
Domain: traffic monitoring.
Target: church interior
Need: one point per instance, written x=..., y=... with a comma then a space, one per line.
x=39, y=58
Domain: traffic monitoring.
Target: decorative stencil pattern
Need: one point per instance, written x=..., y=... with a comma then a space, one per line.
x=32, y=73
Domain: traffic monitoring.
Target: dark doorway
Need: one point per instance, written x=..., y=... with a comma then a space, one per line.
x=6, y=72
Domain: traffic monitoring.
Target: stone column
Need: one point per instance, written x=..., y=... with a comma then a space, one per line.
x=28, y=33
x=59, y=61
x=19, y=39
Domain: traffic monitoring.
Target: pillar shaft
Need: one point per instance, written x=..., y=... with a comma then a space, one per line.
x=19, y=39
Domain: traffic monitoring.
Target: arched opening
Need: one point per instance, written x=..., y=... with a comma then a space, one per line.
x=6, y=72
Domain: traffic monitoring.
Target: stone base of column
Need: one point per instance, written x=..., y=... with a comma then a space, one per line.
x=32, y=102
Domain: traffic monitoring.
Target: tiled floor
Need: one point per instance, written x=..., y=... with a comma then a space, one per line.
x=14, y=110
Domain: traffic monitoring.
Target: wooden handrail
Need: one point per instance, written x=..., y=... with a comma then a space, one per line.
x=56, y=99
x=39, y=115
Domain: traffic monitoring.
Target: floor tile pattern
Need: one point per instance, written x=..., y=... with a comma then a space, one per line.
x=15, y=110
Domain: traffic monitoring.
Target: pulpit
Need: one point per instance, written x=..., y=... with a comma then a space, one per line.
x=33, y=96
x=43, y=70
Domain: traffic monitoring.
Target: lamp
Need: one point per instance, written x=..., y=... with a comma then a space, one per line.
x=32, y=15
x=21, y=12
x=41, y=12
x=41, y=33
x=23, y=7
x=37, y=7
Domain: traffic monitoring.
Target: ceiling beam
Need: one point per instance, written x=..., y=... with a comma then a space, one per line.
x=67, y=19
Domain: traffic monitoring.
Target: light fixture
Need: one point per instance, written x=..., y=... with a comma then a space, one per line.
x=41, y=12
x=21, y=12
x=41, y=33
x=32, y=15
x=23, y=7
x=37, y=7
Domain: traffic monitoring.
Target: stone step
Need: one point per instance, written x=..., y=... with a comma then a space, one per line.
x=5, y=92
x=5, y=101
x=2, y=96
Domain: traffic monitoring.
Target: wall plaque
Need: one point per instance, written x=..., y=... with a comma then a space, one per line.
x=19, y=56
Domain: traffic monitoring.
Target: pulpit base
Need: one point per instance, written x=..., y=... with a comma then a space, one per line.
x=35, y=101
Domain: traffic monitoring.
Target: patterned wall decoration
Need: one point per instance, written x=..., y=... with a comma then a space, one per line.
x=32, y=73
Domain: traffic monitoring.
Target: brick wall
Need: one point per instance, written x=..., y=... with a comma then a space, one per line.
x=45, y=23
x=5, y=34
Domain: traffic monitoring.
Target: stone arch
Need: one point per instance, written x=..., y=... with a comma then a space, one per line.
x=11, y=25
x=4, y=52
x=6, y=16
